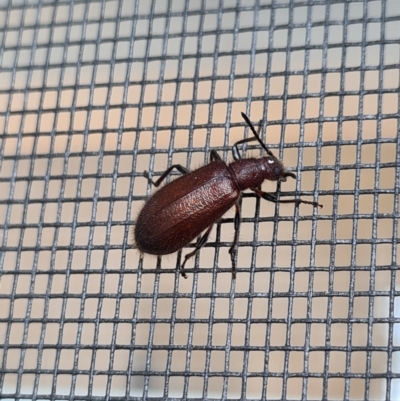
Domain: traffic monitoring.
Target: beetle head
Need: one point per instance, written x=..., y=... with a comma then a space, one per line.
x=275, y=170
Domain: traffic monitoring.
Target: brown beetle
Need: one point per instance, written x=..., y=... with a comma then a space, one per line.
x=190, y=205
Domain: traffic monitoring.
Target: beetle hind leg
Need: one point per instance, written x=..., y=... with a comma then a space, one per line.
x=180, y=168
x=233, y=248
x=199, y=244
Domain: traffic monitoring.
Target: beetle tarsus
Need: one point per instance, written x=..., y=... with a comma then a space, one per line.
x=182, y=271
x=147, y=175
x=233, y=252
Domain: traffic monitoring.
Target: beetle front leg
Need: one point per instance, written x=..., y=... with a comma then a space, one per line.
x=272, y=198
x=179, y=167
x=200, y=243
x=233, y=248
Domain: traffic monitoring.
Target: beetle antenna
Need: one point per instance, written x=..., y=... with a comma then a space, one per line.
x=255, y=134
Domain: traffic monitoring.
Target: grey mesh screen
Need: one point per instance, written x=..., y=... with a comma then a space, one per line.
x=94, y=93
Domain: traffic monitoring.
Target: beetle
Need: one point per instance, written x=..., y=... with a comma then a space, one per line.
x=189, y=206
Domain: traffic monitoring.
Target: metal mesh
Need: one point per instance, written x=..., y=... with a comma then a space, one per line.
x=94, y=93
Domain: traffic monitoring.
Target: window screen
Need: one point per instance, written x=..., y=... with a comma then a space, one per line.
x=92, y=94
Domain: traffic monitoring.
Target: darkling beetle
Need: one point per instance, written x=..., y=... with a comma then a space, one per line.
x=188, y=206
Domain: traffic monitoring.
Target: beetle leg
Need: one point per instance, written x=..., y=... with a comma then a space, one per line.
x=200, y=242
x=214, y=156
x=272, y=198
x=233, y=248
x=235, y=149
x=180, y=168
